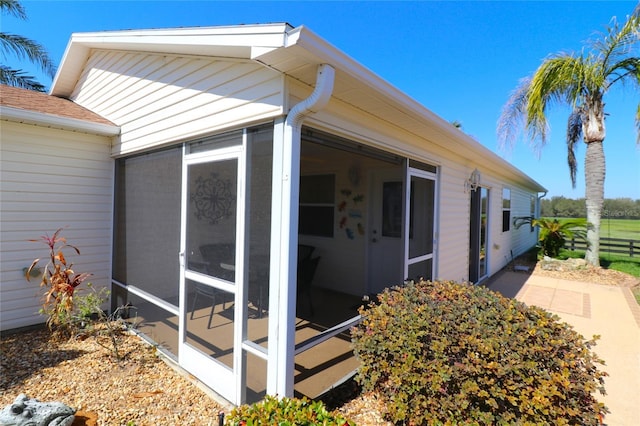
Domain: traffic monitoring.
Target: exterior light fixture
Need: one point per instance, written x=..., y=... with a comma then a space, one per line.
x=473, y=182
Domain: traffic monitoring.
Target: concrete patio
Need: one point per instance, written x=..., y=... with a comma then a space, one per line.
x=592, y=309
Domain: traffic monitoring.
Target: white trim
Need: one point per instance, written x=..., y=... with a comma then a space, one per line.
x=422, y=174
x=224, y=41
x=255, y=349
x=227, y=381
x=49, y=120
x=148, y=297
x=285, y=240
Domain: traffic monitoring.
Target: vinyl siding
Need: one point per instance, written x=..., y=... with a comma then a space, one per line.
x=51, y=179
x=505, y=246
x=521, y=239
x=453, y=245
x=158, y=99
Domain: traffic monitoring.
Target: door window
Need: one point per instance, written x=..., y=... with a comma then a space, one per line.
x=211, y=218
x=392, y=201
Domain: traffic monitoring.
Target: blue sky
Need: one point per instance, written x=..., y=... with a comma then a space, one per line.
x=459, y=59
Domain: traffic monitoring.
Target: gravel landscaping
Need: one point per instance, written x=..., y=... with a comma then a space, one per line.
x=142, y=389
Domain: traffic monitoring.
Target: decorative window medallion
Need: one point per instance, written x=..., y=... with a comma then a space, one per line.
x=213, y=198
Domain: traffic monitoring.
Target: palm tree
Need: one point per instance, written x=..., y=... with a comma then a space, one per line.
x=581, y=81
x=23, y=48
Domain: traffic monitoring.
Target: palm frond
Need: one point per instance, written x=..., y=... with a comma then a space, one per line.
x=511, y=121
x=13, y=8
x=574, y=135
x=560, y=79
x=19, y=78
x=25, y=48
x=627, y=69
x=617, y=43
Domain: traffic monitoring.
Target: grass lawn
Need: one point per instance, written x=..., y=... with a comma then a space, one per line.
x=620, y=228
x=616, y=228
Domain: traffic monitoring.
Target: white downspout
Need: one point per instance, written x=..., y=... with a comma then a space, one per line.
x=283, y=304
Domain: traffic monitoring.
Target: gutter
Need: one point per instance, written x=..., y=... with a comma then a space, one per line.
x=287, y=238
x=539, y=206
x=55, y=121
x=315, y=102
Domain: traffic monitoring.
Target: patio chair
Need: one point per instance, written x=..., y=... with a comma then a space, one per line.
x=204, y=290
x=214, y=255
x=217, y=255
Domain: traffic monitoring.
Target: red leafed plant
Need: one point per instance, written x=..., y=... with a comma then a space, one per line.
x=59, y=280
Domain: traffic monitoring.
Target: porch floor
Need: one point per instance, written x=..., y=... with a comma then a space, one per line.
x=316, y=370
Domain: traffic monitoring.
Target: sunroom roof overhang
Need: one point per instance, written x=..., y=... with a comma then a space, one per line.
x=296, y=52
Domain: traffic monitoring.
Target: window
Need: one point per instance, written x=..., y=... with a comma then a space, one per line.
x=317, y=205
x=392, y=209
x=506, y=209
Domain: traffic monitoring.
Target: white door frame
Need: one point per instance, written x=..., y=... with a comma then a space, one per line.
x=229, y=383
x=413, y=172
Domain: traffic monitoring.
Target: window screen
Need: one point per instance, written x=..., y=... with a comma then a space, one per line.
x=147, y=223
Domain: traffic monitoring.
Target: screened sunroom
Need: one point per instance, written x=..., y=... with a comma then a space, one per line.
x=264, y=182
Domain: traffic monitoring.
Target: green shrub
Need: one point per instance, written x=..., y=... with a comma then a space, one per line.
x=554, y=233
x=447, y=353
x=285, y=412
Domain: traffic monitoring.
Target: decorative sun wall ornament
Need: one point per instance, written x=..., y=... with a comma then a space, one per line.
x=213, y=198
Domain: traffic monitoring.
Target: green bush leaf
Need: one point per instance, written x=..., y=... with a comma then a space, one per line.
x=448, y=353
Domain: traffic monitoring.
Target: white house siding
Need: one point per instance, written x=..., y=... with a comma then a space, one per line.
x=521, y=239
x=504, y=246
x=161, y=99
x=50, y=179
x=453, y=242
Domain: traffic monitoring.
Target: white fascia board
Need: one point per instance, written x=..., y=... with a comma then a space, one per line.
x=227, y=41
x=54, y=121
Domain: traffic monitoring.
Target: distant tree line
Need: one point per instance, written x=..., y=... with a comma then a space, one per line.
x=614, y=208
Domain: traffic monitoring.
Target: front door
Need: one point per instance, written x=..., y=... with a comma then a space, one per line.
x=212, y=273
x=386, y=230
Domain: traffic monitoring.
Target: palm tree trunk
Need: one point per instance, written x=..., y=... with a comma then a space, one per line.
x=594, y=172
